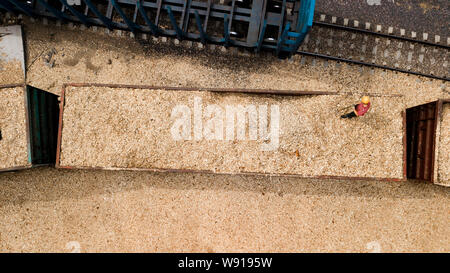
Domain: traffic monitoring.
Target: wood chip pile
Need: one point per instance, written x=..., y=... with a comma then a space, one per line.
x=11, y=72
x=11, y=55
x=13, y=145
x=126, y=128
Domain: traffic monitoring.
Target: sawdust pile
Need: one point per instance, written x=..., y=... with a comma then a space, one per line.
x=105, y=127
x=13, y=146
x=11, y=72
x=88, y=56
x=97, y=57
x=444, y=147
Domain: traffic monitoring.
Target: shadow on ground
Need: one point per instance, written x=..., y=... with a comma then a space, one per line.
x=48, y=184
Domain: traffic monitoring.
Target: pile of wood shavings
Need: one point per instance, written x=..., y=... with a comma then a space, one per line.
x=95, y=57
x=13, y=146
x=11, y=72
x=444, y=147
x=128, y=128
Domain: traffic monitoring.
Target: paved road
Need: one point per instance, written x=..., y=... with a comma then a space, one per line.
x=430, y=16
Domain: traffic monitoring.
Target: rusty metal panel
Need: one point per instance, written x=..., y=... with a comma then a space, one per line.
x=405, y=152
x=421, y=124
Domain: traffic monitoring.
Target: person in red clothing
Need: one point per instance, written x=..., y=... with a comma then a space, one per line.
x=360, y=109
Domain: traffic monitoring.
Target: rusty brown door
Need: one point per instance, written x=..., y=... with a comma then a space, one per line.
x=420, y=135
